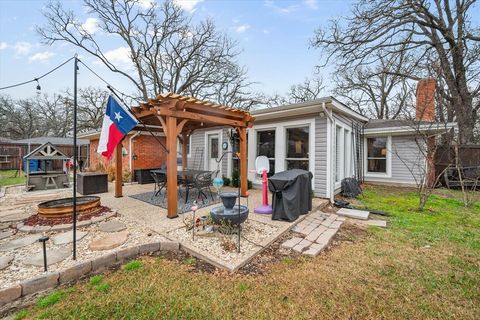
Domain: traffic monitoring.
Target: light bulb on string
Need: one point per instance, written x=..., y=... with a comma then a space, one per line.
x=39, y=89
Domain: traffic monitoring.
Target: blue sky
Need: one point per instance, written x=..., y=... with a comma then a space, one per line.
x=274, y=37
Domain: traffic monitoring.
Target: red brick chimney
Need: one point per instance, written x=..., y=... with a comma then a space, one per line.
x=425, y=110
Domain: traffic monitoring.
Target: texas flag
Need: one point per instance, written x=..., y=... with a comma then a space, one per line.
x=117, y=122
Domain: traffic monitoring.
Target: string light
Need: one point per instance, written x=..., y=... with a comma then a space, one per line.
x=39, y=89
x=37, y=78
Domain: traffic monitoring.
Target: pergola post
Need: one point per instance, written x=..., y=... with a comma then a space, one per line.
x=118, y=171
x=171, y=134
x=242, y=131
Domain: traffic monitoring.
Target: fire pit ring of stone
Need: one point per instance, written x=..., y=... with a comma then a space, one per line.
x=61, y=208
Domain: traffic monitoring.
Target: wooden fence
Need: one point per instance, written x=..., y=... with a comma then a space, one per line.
x=469, y=156
x=11, y=154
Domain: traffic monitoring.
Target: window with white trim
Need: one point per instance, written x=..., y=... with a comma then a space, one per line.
x=297, y=151
x=377, y=154
x=266, y=147
x=343, y=153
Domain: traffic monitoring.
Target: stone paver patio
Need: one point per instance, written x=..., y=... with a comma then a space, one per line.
x=318, y=229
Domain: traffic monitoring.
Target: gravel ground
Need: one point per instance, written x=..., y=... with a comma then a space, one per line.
x=17, y=271
x=253, y=234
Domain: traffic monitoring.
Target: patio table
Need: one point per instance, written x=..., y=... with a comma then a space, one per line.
x=186, y=173
x=187, y=176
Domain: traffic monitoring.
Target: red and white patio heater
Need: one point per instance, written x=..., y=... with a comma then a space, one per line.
x=262, y=167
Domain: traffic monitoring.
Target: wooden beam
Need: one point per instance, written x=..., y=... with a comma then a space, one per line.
x=243, y=161
x=164, y=126
x=181, y=125
x=214, y=110
x=118, y=171
x=171, y=123
x=201, y=117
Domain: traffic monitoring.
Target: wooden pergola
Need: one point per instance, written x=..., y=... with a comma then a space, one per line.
x=178, y=117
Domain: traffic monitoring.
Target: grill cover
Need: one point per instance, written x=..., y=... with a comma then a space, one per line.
x=291, y=194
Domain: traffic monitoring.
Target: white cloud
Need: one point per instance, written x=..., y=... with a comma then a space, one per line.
x=120, y=56
x=3, y=45
x=312, y=4
x=242, y=28
x=187, y=5
x=266, y=31
x=282, y=10
x=22, y=47
x=41, y=56
x=90, y=26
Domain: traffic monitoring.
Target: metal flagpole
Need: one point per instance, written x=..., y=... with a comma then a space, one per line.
x=75, y=69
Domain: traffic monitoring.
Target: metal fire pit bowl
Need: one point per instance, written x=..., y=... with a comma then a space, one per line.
x=61, y=208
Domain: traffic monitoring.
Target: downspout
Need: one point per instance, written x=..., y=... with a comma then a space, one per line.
x=332, y=180
x=130, y=147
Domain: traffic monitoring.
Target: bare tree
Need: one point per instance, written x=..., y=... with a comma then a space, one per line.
x=310, y=89
x=91, y=106
x=19, y=119
x=167, y=50
x=441, y=30
x=56, y=116
x=379, y=92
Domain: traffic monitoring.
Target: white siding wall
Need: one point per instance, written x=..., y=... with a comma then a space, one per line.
x=198, y=143
x=320, y=157
x=407, y=162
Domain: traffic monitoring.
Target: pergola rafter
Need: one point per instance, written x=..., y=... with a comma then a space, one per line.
x=179, y=116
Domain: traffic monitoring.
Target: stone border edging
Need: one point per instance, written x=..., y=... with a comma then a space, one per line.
x=65, y=227
x=54, y=279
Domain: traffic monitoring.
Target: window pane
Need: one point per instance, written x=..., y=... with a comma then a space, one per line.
x=377, y=165
x=377, y=147
x=266, y=143
x=213, y=147
x=297, y=142
x=298, y=164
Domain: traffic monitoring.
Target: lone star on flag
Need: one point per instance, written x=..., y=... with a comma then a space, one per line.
x=118, y=116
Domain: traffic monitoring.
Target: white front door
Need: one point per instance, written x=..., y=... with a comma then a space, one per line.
x=213, y=154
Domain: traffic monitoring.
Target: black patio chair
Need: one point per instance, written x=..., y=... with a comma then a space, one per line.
x=202, y=184
x=188, y=182
x=160, y=182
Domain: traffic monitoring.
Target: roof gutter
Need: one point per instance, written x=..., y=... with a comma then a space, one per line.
x=330, y=180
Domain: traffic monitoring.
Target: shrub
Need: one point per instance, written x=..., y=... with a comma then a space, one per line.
x=235, y=180
x=22, y=314
x=133, y=265
x=190, y=261
x=95, y=280
x=127, y=176
x=226, y=181
x=103, y=287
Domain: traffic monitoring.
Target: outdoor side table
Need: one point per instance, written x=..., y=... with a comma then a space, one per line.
x=92, y=182
x=291, y=194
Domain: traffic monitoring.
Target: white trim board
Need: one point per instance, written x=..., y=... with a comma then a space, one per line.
x=206, y=149
x=367, y=174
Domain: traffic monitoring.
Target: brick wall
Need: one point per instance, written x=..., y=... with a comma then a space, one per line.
x=425, y=104
x=149, y=153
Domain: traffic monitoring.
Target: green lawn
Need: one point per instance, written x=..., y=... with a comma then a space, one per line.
x=426, y=265
x=11, y=177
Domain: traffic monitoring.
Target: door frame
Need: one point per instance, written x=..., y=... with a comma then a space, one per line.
x=207, y=148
